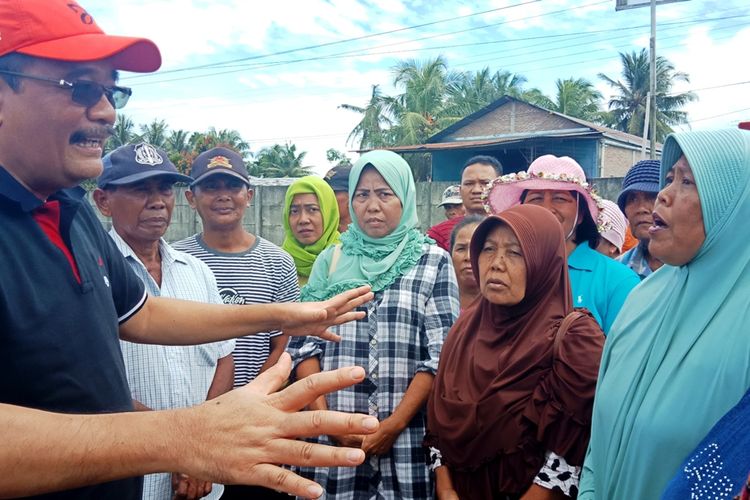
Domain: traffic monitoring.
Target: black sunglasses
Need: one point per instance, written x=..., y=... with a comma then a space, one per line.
x=85, y=93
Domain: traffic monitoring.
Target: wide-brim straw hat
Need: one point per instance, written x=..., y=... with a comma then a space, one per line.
x=547, y=172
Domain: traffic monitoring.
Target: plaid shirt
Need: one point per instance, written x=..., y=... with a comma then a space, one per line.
x=401, y=335
x=163, y=377
x=636, y=260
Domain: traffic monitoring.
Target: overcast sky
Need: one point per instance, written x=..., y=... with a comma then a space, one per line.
x=267, y=81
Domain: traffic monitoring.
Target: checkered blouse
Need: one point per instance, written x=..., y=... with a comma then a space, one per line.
x=401, y=335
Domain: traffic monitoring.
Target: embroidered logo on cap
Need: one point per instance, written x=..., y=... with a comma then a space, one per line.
x=219, y=161
x=146, y=154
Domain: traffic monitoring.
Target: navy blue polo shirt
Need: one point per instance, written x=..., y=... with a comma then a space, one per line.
x=59, y=339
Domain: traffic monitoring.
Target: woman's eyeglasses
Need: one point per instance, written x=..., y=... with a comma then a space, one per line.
x=84, y=92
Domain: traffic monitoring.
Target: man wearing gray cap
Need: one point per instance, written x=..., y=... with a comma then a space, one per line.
x=136, y=192
x=66, y=418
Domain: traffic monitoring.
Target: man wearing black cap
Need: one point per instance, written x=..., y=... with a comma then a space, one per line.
x=136, y=191
x=249, y=269
x=68, y=296
x=338, y=179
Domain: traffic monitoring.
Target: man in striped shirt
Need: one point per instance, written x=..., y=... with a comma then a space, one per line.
x=136, y=191
x=248, y=269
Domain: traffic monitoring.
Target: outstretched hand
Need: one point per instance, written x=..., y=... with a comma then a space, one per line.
x=242, y=436
x=314, y=318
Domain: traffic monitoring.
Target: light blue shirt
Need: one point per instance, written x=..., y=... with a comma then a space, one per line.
x=166, y=377
x=635, y=259
x=599, y=283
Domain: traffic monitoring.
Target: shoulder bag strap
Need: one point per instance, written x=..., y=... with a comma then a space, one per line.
x=334, y=259
x=563, y=329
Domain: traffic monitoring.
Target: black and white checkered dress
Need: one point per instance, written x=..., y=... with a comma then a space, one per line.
x=401, y=335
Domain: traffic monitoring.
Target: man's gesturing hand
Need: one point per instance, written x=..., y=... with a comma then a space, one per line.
x=314, y=318
x=242, y=436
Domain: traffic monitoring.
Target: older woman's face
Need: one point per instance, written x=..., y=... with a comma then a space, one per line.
x=376, y=205
x=502, y=268
x=678, y=232
x=462, y=258
x=305, y=218
x=562, y=204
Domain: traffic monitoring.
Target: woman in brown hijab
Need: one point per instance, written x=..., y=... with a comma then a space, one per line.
x=510, y=410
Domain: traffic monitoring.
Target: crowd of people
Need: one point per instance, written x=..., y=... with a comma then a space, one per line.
x=540, y=343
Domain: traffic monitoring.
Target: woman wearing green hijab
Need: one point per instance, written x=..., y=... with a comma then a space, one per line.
x=399, y=340
x=311, y=221
x=678, y=355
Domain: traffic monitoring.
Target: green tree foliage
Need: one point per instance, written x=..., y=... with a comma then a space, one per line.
x=124, y=133
x=470, y=92
x=627, y=108
x=337, y=158
x=372, y=130
x=577, y=97
x=182, y=146
x=431, y=97
x=155, y=133
x=281, y=161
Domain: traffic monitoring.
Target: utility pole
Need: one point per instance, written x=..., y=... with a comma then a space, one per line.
x=652, y=80
x=650, y=114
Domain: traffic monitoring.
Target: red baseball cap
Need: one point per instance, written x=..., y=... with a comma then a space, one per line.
x=63, y=30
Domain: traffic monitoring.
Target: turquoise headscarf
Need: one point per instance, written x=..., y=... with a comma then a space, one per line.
x=678, y=355
x=366, y=260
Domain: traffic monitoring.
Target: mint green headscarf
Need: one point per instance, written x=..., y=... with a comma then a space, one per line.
x=678, y=355
x=304, y=256
x=366, y=260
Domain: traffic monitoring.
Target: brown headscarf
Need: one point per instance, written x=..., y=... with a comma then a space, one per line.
x=501, y=398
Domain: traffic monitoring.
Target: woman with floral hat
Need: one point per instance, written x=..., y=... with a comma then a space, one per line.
x=558, y=184
x=613, y=227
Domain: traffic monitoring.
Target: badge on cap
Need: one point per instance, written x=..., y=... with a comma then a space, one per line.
x=219, y=161
x=146, y=154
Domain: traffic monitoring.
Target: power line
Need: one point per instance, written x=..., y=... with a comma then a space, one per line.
x=347, y=40
x=255, y=93
x=242, y=68
x=710, y=88
x=220, y=65
x=720, y=115
x=582, y=44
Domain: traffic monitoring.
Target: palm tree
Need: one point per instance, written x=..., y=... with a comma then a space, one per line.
x=627, y=108
x=123, y=133
x=473, y=91
x=371, y=131
x=177, y=142
x=155, y=133
x=337, y=158
x=203, y=141
x=577, y=97
x=420, y=108
x=282, y=161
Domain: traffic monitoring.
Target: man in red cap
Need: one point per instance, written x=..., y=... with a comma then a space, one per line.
x=68, y=297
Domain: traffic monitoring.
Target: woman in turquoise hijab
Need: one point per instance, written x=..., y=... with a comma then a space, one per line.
x=399, y=340
x=311, y=221
x=678, y=356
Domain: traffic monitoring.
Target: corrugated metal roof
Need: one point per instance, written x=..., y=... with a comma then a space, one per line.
x=494, y=141
x=433, y=143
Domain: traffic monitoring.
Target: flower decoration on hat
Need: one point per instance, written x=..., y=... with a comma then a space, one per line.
x=519, y=177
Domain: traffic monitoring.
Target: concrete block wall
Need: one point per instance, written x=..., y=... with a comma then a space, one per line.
x=264, y=216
